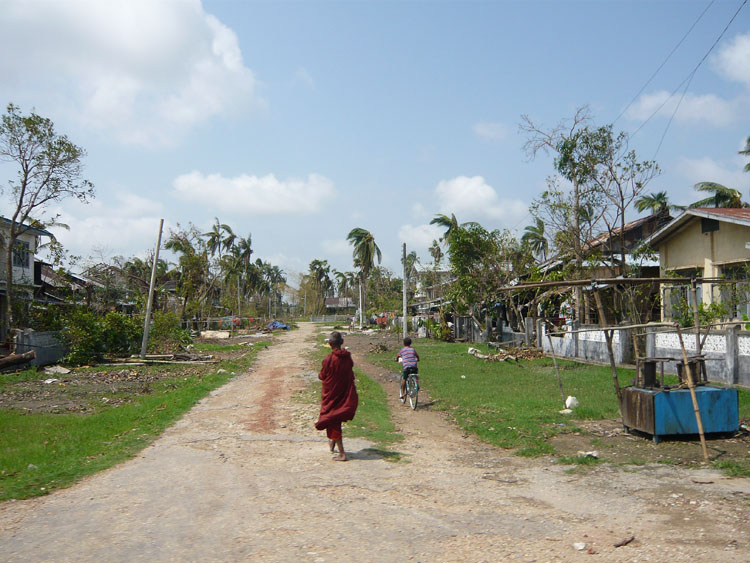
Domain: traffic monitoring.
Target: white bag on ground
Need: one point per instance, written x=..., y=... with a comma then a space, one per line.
x=571, y=402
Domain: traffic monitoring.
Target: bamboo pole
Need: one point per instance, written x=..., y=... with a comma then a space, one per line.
x=696, y=317
x=637, y=360
x=691, y=386
x=557, y=370
x=608, y=337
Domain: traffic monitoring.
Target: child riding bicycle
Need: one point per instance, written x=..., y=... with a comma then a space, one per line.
x=408, y=357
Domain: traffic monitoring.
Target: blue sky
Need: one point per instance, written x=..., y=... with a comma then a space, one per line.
x=297, y=121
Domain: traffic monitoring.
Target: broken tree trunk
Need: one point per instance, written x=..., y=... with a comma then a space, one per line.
x=16, y=359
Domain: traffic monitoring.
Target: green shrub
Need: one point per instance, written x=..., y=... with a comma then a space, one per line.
x=122, y=334
x=166, y=333
x=83, y=335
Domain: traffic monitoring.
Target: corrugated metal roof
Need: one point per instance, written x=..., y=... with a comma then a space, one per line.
x=28, y=229
x=739, y=216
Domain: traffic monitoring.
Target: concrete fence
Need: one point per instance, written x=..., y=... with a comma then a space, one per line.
x=727, y=351
x=333, y=319
x=587, y=345
x=47, y=345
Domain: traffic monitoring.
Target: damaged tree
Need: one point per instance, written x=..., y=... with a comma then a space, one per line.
x=49, y=169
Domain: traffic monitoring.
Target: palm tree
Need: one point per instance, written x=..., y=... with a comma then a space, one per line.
x=341, y=282
x=534, y=238
x=449, y=223
x=655, y=202
x=722, y=196
x=364, y=253
x=410, y=267
x=436, y=253
x=746, y=152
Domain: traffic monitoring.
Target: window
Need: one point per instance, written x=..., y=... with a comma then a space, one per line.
x=21, y=254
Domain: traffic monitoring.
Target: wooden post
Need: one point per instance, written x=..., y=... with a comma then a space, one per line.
x=608, y=337
x=691, y=386
x=557, y=370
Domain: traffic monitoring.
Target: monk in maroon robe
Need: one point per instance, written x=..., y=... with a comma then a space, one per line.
x=339, y=399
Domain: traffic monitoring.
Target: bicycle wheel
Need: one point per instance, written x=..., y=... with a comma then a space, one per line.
x=413, y=392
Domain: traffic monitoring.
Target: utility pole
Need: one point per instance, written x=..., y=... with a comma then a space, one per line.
x=403, y=259
x=147, y=322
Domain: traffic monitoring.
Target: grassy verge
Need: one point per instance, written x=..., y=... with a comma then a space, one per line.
x=40, y=452
x=517, y=405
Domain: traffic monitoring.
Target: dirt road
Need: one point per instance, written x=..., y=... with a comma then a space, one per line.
x=244, y=476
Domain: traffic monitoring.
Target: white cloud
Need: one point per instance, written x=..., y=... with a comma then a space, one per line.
x=706, y=169
x=490, y=131
x=303, y=76
x=419, y=237
x=127, y=226
x=144, y=71
x=733, y=60
x=336, y=247
x=733, y=63
x=254, y=195
x=470, y=198
x=707, y=108
x=291, y=265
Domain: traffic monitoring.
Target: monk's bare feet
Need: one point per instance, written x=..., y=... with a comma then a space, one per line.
x=332, y=445
x=340, y=457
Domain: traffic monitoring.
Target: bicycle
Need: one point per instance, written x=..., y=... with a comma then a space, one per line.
x=412, y=389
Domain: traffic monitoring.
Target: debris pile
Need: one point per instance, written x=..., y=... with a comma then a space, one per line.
x=509, y=354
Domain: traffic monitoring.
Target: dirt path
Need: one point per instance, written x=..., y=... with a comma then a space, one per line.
x=243, y=476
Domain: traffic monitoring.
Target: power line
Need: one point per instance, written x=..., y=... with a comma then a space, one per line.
x=627, y=107
x=689, y=79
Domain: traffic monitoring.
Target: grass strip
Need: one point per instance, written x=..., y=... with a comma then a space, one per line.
x=42, y=452
x=516, y=405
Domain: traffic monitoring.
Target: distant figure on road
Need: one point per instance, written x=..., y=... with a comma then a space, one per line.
x=339, y=399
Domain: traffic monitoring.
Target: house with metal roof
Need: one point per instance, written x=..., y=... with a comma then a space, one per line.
x=708, y=243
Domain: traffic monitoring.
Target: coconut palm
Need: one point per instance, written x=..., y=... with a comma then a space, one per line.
x=220, y=237
x=365, y=250
x=437, y=254
x=655, y=202
x=364, y=253
x=341, y=282
x=410, y=266
x=746, y=152
x=722, y=196
x=534, y=238
x=450, y=224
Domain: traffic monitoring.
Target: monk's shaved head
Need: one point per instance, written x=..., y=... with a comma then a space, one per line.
x=336, y=339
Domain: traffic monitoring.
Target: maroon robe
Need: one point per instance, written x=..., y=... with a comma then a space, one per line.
x=339, y=399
